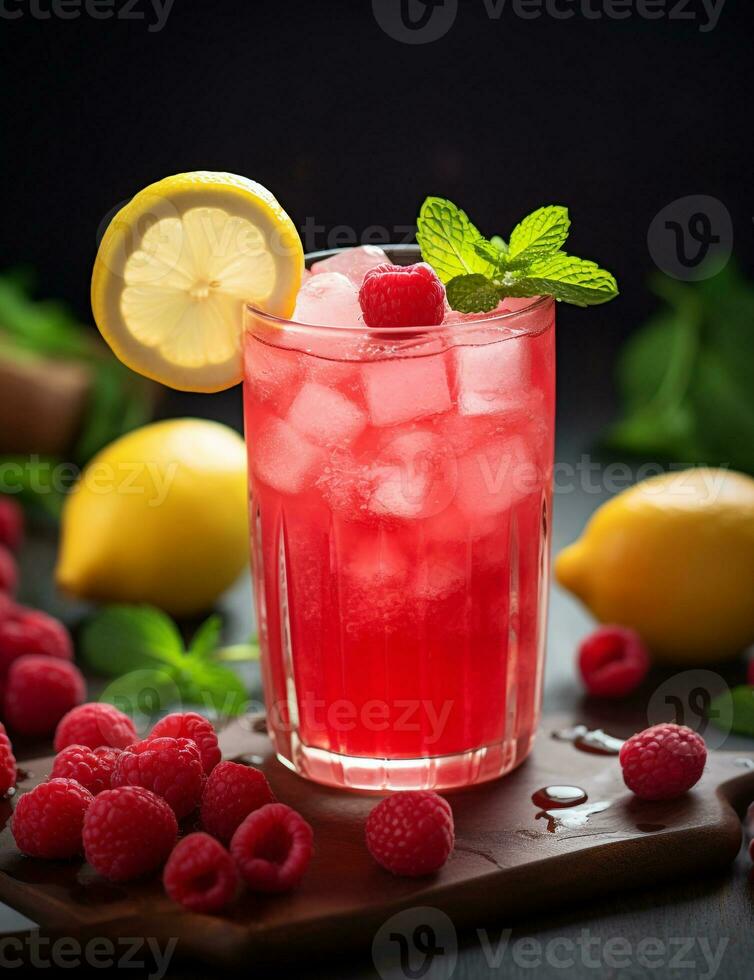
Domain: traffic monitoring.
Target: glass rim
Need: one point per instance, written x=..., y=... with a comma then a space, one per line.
x=297, y=326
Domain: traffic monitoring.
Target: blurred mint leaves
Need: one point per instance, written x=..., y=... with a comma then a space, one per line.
x=478, y=273
x=39, y=331
x=686, y=378
x=143, y=649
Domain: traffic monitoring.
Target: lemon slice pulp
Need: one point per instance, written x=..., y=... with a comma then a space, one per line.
x=175, y=268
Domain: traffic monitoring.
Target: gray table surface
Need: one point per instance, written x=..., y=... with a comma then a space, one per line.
x=699, y=928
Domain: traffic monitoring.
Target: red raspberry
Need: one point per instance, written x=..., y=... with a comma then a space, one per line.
x=663, y=761
x=48, y=820
x=94, y=724
x=613, y=661
x=232, y=792
x=170, y=767
x=39, y=691
x=7, y=763
x=7, y=606
x=200, y=874
x=28, y=631
x=198, y=729
x=402, y=296
x=93, y=768
x=8, y=571
x=411, y=833
x=11, y=523
x=128, y=832
x=272, y=848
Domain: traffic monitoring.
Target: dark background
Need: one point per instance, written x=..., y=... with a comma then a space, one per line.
x=349, y=127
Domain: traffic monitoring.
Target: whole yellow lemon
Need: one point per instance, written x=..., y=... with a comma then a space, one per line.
x=159, y=516
x=672, y=557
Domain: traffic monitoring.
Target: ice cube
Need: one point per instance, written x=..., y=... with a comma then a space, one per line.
x=453, y=317
x=283, y=458
x=405, y=388
x=325, y=416
x=439, y=579
x=328, y=300
x=492, y=377
x=493, y=476
x=414, y=476
x=352, y=262
x=272, y=373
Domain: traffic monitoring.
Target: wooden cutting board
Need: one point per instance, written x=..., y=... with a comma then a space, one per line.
x=510, y=858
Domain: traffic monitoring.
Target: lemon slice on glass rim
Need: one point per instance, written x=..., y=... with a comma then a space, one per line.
x=175, y=268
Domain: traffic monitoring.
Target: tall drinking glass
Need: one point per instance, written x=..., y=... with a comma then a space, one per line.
x=400, y=494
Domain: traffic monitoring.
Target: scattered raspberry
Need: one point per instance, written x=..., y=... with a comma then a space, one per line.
x=411, y=833
x=663, y=761
x=28, y=631
x=11, y=523
x=8, y=571
x=402, y=296
x=200, y=874
x=93, y=768
x=128, y=832
x=94, y=724
x=7, y=763
x=613, y=661
x=198, y=729
x=48, y=820
x=231, y=793
x=272, y=848
x=39, y=691
x=169, y=767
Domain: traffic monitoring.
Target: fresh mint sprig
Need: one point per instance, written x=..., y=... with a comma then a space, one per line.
x=143, y=649
x=478, y=272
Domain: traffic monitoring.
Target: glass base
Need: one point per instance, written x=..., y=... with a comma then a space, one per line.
x=433, y=772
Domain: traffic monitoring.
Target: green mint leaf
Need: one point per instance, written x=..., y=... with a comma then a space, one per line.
x=472, y=294
x=734, y=712
x=499, y=243
x=238, y=653
x=121, y=639
x=207, y=638
x=542, y=232
x=570, y=280
x=447, y=238
x=491, y=254
x=143, y=692
x=214, y=687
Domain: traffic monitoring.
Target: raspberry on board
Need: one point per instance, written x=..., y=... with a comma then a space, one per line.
x=402, y=296
x=411, y=833
x=94, y=724
x=200, y=730
x=200, y=874
x=231, y=793
x=28, y=631
x=39, y=691
x=7, y=763
x=11, y=523
x=8, y=571
x=128, y=833
x=48, y=820
x=663, y=761
x=613, y=661
x=272, y=848
x=92, y=768
x=170, y=767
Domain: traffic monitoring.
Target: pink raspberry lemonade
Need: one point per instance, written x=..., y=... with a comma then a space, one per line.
x=400, y=493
